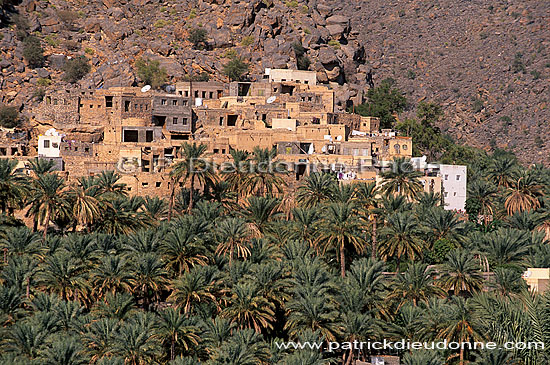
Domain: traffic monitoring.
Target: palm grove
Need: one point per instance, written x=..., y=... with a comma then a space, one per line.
x=232, y=263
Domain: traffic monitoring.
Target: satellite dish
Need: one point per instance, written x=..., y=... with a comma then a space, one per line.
x=170, y=88
x=324, y=149
x=271, y=99
x=339, y=138
x=145, y=88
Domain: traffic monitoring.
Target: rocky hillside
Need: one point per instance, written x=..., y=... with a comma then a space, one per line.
x=486, y=63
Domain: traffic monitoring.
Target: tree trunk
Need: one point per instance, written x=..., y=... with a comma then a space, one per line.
x=173, y=350
x=374, y=237
x=461, y=355
x=46, y=224
x=171, y=202
x=191, y=192
x=342, y=260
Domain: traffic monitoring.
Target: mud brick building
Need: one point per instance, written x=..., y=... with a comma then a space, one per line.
x=139, y=132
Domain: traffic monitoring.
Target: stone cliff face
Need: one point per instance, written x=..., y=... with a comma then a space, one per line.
x=488, y=64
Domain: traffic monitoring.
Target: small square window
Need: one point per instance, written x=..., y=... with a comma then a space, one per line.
x=457, y=177
x=446, y=177
x=175, y=121
x=174, y=102
x=163, y=102
x=184, y=121
x=46, y=143
x=158, y=184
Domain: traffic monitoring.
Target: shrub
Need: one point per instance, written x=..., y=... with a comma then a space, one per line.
x=517, y=64
x=197, y=36
x=334, y=43
x=193, y=14
x=302, y=61
x=411, y=74
x=384, y=102
x=150, y=72
x=22, y=26
x=477, y=105
x=230, y=53
x=203, y=76
x=535, y=74
x=76, y=68
x=161, y=23
x=9, y=116
x=39, y=94
x=51, y=40
x=43, y=82
x=292, y=4
x=33, y=52
x=89, y=51
x=235, y=69
x=247, y=41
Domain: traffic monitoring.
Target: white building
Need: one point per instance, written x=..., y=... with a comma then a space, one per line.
x=453, y=181
x=49, y=144
x=283, y=75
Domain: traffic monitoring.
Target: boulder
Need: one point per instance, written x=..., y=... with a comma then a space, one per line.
x=43, y=73
x=57, y=61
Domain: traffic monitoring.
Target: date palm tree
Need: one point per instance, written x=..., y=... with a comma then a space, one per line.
x=108, y=185
x=316, y=189
x=261, y=211
x=368, y=202
x=85, y=206
x=416, y=284
x=484, y=193
x=232, y=236
x=401, y=238
x=182, y=249
x=443, y=224
x=264, y=178
x=341, y=229
x=248, y=309
x=112, y=275
x=461, y=273
x=63, y=275
x=193, y=167
x=523, y=193
x=199, y=285
x=402, y=179
x=236, y=172
x=501, y=170
x=13, y=186
x=149, y=277
x=48, y=199
x=176, y=331
x=156, y=208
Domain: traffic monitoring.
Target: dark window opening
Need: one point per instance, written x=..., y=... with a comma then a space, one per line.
x=3, y=151
x=186, y=93
x=221, y=120
x=216, y=150
x=287, y=89
x=180, y=137
x=196, y=93
x=211, y=95
x=159, y=120
x=130, y=136
x=184, y=121
x=204, y=94
x=158, y=184
x=243, y=89
x=264, y=117
x=174, y=120
x=46, y=143
x=86, y=149
x=223, y=151
x=232, y=120
x=163, y=102
x=148, y=136
x=300, y=171
x=175, y=102
x=126, y=106
x=184, y=102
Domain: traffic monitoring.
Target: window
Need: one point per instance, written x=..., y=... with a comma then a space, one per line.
x=196, y=93
x=204, y=94
x=148, y=136
x=86, y=149
x=184, y=121
x=135, y=107
x=184, y=102
x=216, y=150
x=454, y=194
x=145, y=184
x=91, y=106
x=457, y=177
x=186, y=93
x=55, y=145
x=46, y=143
x=446, y=194
x=174, y=102
x=405, y=147
x=163, y=102
x=158, y=184
x=446, y=177
x=175, y=121
x=211, y=95
x=126, y=105
x=223, y=150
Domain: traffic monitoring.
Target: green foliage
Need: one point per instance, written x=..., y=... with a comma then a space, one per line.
x=9, y=116
x=334, y=43
x=193, y=14
x=517, y=64
x=89, y=51
x=203, y=76
x=39, y=94
x=52, y=40
x=76, y=68
x=33, y=52
x=247, y=41
x=43, y=82
x=150, y=72
x=198, y=37
x=302, y=60
x=235, y=69
x=291, y=3
x=411, y=74
x=384, y=101
x=439, y=251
